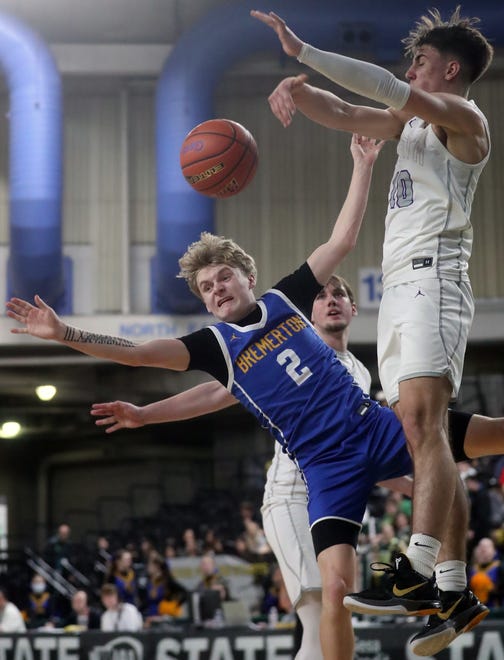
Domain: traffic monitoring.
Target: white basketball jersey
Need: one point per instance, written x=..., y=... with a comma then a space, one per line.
x=428, y=233
x=283, y=479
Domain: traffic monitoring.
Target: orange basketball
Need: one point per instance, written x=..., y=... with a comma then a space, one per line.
x=219, y=158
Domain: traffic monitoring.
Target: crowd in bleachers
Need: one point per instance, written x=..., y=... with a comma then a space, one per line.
x=126, y=580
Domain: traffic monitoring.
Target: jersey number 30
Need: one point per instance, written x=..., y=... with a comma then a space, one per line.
x=292, y=362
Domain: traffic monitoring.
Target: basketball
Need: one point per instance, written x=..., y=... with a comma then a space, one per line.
x=219, y=158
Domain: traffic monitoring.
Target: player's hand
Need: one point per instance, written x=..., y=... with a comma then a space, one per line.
x=39, y=321
x=291, y=43
x=281, y=98
x=365, y=149
x=117, y=415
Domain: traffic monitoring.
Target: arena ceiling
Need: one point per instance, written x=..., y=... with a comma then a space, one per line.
x=109, y=21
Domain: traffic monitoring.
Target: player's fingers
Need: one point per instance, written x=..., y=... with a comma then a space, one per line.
x=41, y=303
x=300, y=80
x=19, y=331
x=14, y=315
x=19, y=306
x=105, y=420
x=283, y=106
x=261, y=16
x=277, y=19
x=100, y=408
x=280, y=114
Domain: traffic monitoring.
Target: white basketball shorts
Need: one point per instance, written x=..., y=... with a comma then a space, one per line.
x=422, y=331
x=285, y=523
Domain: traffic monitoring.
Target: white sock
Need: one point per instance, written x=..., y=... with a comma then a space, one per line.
x=451, y=575
x=422, y=553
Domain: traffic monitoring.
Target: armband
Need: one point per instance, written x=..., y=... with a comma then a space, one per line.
x=364, y=78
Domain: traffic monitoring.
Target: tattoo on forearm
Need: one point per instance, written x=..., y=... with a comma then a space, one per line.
x=83, y=337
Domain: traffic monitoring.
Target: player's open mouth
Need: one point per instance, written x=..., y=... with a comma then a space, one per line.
x=224, y=300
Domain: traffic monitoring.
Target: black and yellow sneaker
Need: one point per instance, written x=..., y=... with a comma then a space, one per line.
x=460, y=612
x=408, y=593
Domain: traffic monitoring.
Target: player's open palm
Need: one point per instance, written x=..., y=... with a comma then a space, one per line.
x=117, y=415
x=291, y=43
x=38, y=320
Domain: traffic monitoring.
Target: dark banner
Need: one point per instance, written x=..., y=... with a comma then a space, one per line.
x=384, y=642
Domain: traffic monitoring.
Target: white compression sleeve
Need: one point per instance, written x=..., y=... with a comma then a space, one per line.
x=364, y=78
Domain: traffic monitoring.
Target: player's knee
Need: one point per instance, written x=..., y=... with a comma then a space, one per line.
x=421, y=429
x=333, y=592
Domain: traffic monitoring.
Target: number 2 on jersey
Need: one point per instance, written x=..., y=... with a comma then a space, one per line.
x=291, y=359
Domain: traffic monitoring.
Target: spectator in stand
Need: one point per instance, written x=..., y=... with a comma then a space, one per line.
x=255, y=539
x=391, y=509
x=164, y=596
x=147, y=547
x=480, y=519
x=191, y=546
x=486, y=574
x=276, y=594
x=211, y=542
x=170, y=549
x=11, y=619
x=40, y=606
x=211, y=577
x=118, y=616
x=59, y=547
x=82, y=615
x=123, y=576
x=253, y=534
x=402, y=527
x=241, y=549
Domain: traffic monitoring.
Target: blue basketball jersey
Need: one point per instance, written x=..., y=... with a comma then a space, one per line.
x=286, y=376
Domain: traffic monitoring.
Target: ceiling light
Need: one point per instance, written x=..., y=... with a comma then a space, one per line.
x=9, y=429
x=45, y=392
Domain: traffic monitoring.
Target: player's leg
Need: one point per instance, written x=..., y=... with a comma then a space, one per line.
x=309, y=610
x=423, y=330
x=435, y=344
x=404, y=591
x=422, y=409
x=287, y=530
x=337, y=568
x=460, y=609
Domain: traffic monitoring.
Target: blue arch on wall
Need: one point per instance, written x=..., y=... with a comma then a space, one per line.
x=36, y=262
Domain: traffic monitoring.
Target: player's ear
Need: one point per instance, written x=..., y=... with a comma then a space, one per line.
x=252, y=281
x=355, y=311
x=452, y=69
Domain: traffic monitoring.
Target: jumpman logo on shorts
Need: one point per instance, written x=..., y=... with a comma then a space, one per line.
x=419, y=293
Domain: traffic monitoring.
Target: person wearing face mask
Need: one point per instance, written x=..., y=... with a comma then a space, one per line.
x=39, y=611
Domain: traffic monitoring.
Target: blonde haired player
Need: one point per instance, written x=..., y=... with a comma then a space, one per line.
x=268, y=355
x=284, y=512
